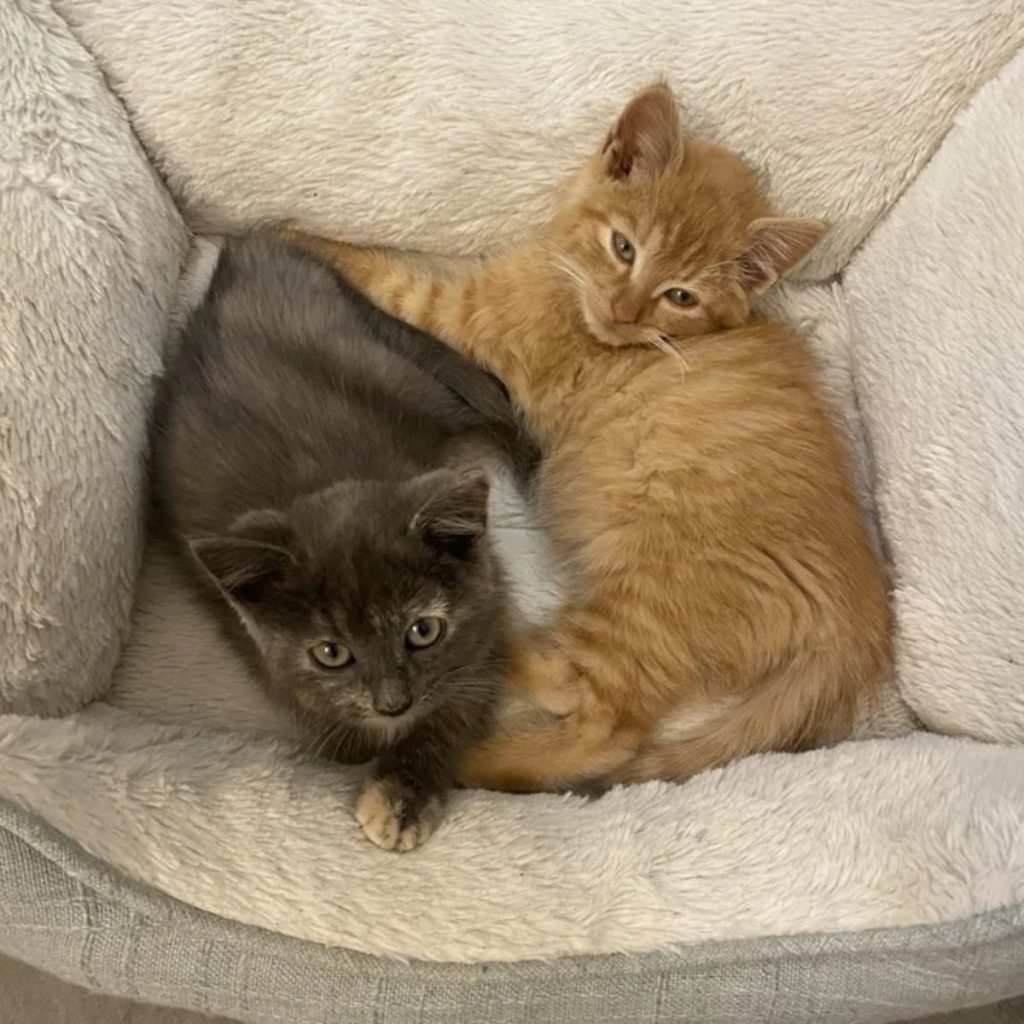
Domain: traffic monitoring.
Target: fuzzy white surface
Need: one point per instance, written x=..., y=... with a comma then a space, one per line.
x=871, y=834
x=444, y=125
x=89, y=260
x=437, y=126
x=937, y=297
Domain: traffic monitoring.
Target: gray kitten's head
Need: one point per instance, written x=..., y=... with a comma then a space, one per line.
x=372, y=602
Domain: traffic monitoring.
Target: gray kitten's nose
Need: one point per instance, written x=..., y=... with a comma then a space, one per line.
x=392, y=710
x=391, y=700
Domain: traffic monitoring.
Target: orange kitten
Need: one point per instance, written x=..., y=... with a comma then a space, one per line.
x=728, y=600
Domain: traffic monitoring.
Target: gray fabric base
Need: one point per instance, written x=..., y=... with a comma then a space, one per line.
x=67, y=913
x=31, y=996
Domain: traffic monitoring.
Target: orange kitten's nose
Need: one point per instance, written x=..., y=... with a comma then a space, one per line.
x=625, y=310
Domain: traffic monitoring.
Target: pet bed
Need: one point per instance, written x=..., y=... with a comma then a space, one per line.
x=162, y=833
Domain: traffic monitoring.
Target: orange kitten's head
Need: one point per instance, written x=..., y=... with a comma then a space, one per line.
x=665, y=237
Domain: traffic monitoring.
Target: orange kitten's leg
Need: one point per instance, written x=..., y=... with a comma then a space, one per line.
x=558, y=729
x=558, y=751
x=403, y=285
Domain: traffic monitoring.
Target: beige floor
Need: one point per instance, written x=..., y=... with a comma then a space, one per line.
x=1011, y=1012
x=28, y=996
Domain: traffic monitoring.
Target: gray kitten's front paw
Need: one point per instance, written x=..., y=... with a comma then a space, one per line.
x=394, y=817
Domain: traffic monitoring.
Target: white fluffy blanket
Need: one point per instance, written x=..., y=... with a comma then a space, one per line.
x=444, y=125
x=870, y=834
x=90, y=245
x=937, y=297
x=866, y=835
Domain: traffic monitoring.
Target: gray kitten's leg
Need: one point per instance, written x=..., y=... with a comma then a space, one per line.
x=395, y=816
x=403, y=802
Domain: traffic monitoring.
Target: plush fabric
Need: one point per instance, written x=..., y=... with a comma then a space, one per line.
x=730, y=898
x=89, y=925
x=866, y=835
x=444, y=125
x=89, y=261
x=937, y=298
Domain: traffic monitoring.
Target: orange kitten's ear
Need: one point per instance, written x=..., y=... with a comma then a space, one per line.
x=646, y=135
x=775, y=245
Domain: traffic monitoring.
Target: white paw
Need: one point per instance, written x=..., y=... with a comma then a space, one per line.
x=387, y=820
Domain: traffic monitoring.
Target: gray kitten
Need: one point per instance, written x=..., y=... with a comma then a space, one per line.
x=316, y=457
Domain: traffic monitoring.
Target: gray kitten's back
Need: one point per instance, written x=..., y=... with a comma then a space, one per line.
x=287, y=380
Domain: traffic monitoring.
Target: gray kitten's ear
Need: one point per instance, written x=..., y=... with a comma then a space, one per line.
x=775, y=245
x=646, y=136
x=265, y=525
x=452, y=515
x=249, y=559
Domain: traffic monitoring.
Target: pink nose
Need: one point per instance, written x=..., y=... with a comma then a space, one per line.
x=624, y=311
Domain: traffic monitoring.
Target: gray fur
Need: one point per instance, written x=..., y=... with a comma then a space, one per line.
x=311, y=456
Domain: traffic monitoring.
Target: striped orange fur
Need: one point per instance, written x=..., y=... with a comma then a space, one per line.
x=727, y=598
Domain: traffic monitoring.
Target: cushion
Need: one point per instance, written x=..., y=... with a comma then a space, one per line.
x=89, y=261
x=444, y=126
x=730, y=898
x=869, y=834
x=937, y=301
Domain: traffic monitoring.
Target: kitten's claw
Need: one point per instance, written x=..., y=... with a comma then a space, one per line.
x=392, y=818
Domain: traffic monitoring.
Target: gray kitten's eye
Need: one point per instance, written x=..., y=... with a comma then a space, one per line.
x=425, y=632
x=681, y=297
x=623, y=247
x=331, y=655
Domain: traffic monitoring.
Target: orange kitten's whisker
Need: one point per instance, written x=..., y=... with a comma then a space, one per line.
x=574, y=270
x=663, y=344
x=568, y=266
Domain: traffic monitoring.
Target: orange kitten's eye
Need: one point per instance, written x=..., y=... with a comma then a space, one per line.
x=681, y=297
x=623, y=247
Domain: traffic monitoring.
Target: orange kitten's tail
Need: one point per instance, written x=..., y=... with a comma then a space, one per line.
x=805, y=705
